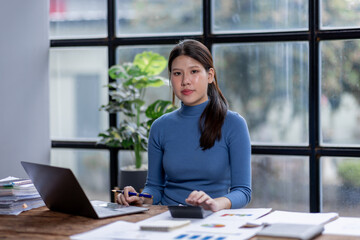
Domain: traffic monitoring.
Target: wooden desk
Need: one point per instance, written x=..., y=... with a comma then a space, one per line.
x=41, y=223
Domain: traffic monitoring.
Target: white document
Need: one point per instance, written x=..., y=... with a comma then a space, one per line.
x=240, y=215
x=228, y=220
x=115, y=230
x=8, y=179
x=298, y=217
x=344, y=226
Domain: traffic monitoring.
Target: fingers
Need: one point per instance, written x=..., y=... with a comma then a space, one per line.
x=200, y=198
x=121, y=199
x=197, y=198
x=125, y=199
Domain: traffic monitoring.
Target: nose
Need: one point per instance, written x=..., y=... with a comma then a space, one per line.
x=185, y=80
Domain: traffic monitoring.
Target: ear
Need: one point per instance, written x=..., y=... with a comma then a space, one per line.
x=211, y=75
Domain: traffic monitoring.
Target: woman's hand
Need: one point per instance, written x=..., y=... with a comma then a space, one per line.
x=200, y=198
x=125, y=199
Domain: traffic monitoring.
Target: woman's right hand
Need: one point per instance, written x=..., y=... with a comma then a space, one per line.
x=125, y=199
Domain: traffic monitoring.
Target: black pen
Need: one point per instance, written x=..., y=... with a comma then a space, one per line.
x=134, y=194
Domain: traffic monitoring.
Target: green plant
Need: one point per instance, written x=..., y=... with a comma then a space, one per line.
x=349, y=171
x=127, y=96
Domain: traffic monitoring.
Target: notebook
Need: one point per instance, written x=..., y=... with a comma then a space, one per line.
x=164, y=225
x=289, y=231
x=61, y=192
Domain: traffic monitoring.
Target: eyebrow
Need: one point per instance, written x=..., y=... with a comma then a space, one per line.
x=194, y=66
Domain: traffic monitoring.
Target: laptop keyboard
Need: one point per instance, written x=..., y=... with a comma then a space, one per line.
x=104, y=209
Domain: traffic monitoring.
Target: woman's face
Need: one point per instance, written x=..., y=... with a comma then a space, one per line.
x=190, y=80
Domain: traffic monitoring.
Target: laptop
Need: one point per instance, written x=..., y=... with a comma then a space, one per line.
x=61, y=192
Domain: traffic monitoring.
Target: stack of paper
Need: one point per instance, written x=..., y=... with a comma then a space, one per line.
x=18, y=195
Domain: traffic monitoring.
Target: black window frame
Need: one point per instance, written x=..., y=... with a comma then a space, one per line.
x=314, y=35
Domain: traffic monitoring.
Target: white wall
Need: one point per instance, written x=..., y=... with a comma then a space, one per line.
x=24, y=85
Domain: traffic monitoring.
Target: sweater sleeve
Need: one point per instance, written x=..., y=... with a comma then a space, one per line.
x=238, y=141
x=155, y=179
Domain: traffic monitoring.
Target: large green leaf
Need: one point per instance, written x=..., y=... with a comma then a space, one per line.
x=110, y=137
x=157, y=109
x=150, y=63
x=145, y=81
x=155, y=81
x=125, y=107
x=118, y=71
x=131, y=134
x=124, y=71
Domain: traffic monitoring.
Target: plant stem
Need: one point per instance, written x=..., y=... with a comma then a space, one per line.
x=137, y=149
x=137, y=145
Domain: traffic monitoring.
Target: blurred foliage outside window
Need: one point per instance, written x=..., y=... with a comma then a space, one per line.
x=340, y=92
x=341, y=185
x=280, y=182
x=337, y=14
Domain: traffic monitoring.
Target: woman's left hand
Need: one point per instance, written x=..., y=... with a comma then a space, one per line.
x=200, y=198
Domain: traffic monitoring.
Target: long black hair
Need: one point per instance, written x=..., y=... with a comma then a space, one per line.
x=213, y=116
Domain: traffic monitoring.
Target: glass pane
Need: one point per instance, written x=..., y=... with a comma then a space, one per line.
x=77, y=80
x=91, y=168
x=259, y=16
x=339, y=14
x=340, y=92
x=341, y=185
x=127, y=54
x=267, y=83
x=161, y=17
x=280, y=182
x=78, y=18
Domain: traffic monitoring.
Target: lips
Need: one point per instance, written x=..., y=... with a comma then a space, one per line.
x=187, y=91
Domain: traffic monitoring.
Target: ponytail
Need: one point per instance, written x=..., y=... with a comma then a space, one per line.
x=213, y=117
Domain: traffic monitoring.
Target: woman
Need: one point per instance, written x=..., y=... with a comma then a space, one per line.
x=199, y=154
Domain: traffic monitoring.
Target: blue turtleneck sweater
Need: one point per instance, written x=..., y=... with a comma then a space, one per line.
x=178, y=165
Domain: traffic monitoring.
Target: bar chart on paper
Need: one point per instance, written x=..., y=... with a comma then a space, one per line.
x=186, y=236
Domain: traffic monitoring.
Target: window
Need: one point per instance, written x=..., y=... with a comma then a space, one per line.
x=340, y=92
x=280, y=182
x=291, y=68
x=91, y=168
x=166, y=18
x=259, y=16
x=78, y=76
x=78, y=19
x=269, y=87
